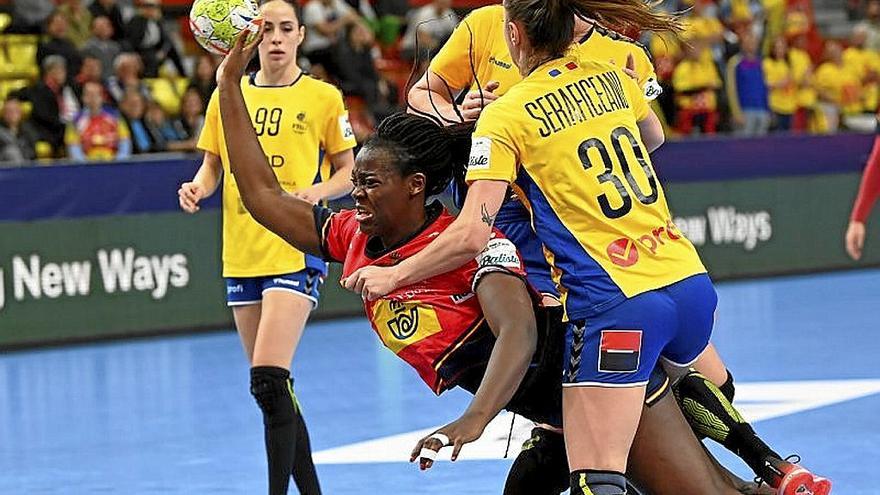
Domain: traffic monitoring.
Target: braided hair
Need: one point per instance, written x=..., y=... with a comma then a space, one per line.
x=419, y=145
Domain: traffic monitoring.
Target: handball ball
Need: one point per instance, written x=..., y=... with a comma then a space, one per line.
x=216, y=23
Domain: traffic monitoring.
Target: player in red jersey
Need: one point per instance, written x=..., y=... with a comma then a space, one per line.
x=476, y=327
x=869, y=191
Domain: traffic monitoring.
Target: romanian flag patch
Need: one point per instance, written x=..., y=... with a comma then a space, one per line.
x=619, y=351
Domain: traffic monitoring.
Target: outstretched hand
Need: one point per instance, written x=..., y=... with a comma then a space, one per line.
x=464, y=430
x=240, y=54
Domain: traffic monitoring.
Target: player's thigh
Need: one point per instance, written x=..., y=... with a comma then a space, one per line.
x=244, y=296
x=710, y=365
x=287, y=302
x=667, y=459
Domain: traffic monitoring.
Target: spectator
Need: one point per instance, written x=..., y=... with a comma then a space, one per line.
x=29, y=17
x=97, y=132
x=161, y=130
x=866, y=65
x=204, y=79
x=429, y=27
x=358, y=74
x=802, y=72
x=79, y=21
x=148, y=37
x=90, y=71
x=702, y=28
x=871, y=25
x=781, y=83
x=53, y=103
x=18, y=139
x=325, y=21
x=102, y=45
x=192, y=118
x=695, y=81
x=127, y=70
x=110, y=9
x=746, y=90
x=56, y=42
x=133, y=107
x=838, y=88
x=391, y=18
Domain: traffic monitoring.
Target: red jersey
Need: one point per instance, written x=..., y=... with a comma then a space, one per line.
x=436, y=325
x=869, y=189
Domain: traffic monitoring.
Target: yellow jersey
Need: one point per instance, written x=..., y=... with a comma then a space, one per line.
x=865, y=63
x=802, y=71
x=567, y=139
x=841, y=85
x=298, y=126
x=695, y=82
x=783, y=99
x=476, y=53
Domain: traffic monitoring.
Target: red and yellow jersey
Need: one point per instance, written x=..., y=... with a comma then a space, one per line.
x=98, y=134
x=437, y=325
x=567, y=139
x=477, y=52
x=297, y=125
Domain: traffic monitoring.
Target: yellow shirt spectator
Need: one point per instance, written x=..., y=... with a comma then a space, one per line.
x=695, y=82
x=840, y=86
x=802, y=72
x=780, y=82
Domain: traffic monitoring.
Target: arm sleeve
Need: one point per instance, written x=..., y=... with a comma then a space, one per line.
x=453, y=62
x=869, y=189
x=494, y=154
x=335, y=231
x=209, y=139
x=338, y=134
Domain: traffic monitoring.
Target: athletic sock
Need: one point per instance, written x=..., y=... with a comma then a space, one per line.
x=711, y=414
x=270, y=386
x=595, y=482
x=304, y=474
x=541, y=468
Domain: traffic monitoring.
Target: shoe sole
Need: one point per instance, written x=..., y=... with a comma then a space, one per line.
x=801, y=478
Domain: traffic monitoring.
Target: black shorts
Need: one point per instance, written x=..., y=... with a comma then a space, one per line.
x=539, y=396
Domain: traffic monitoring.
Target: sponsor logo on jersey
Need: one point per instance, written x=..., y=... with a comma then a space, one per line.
x=619, y=351
x=284, y=281
x=623, y=252
x=460, y=298
x=345, y=127
x=481, y=152
x=652, y=89
x=405, y=322
x=499, y=63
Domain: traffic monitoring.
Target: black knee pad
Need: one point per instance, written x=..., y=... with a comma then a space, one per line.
x=271, y=388
x=727, y=387
x=541, y=468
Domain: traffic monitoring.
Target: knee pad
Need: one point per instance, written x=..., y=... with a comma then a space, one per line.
x=541, y=468
x=727, y=387
x=595, y=482
x=272, y=389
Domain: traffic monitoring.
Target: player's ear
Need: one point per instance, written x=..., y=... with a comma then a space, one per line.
x=416, y=183
x=302, y=35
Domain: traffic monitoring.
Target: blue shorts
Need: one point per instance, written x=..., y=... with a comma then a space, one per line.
x=517, y=227
x=620, y=346
x=249, y=290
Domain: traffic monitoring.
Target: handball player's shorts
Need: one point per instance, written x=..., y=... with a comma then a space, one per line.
x=514, y=222
x=621, y=346
x=249, y=290
x=539, y=396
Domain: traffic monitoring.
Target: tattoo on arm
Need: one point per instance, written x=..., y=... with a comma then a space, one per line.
x=486, y=217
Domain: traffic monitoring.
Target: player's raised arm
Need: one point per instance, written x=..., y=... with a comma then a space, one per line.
x=289, y=217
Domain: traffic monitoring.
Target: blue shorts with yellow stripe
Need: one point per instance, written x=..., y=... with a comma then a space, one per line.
x=241, y=291
x=620, y=346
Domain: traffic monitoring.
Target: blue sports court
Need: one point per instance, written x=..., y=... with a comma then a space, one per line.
x=173, y=415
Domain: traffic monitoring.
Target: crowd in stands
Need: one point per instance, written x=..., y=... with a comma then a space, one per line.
x=757, y=66
x=105, y=79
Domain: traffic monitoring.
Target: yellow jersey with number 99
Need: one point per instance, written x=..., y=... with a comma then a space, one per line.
x=477, y=53
x=567, y=139
x=298, y=126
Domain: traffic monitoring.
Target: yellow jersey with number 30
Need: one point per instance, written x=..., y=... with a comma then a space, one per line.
x=567, y=139
x=479, y=40
x=298, y=126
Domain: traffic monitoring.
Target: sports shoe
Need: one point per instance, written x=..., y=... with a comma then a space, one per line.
x=794, y=479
